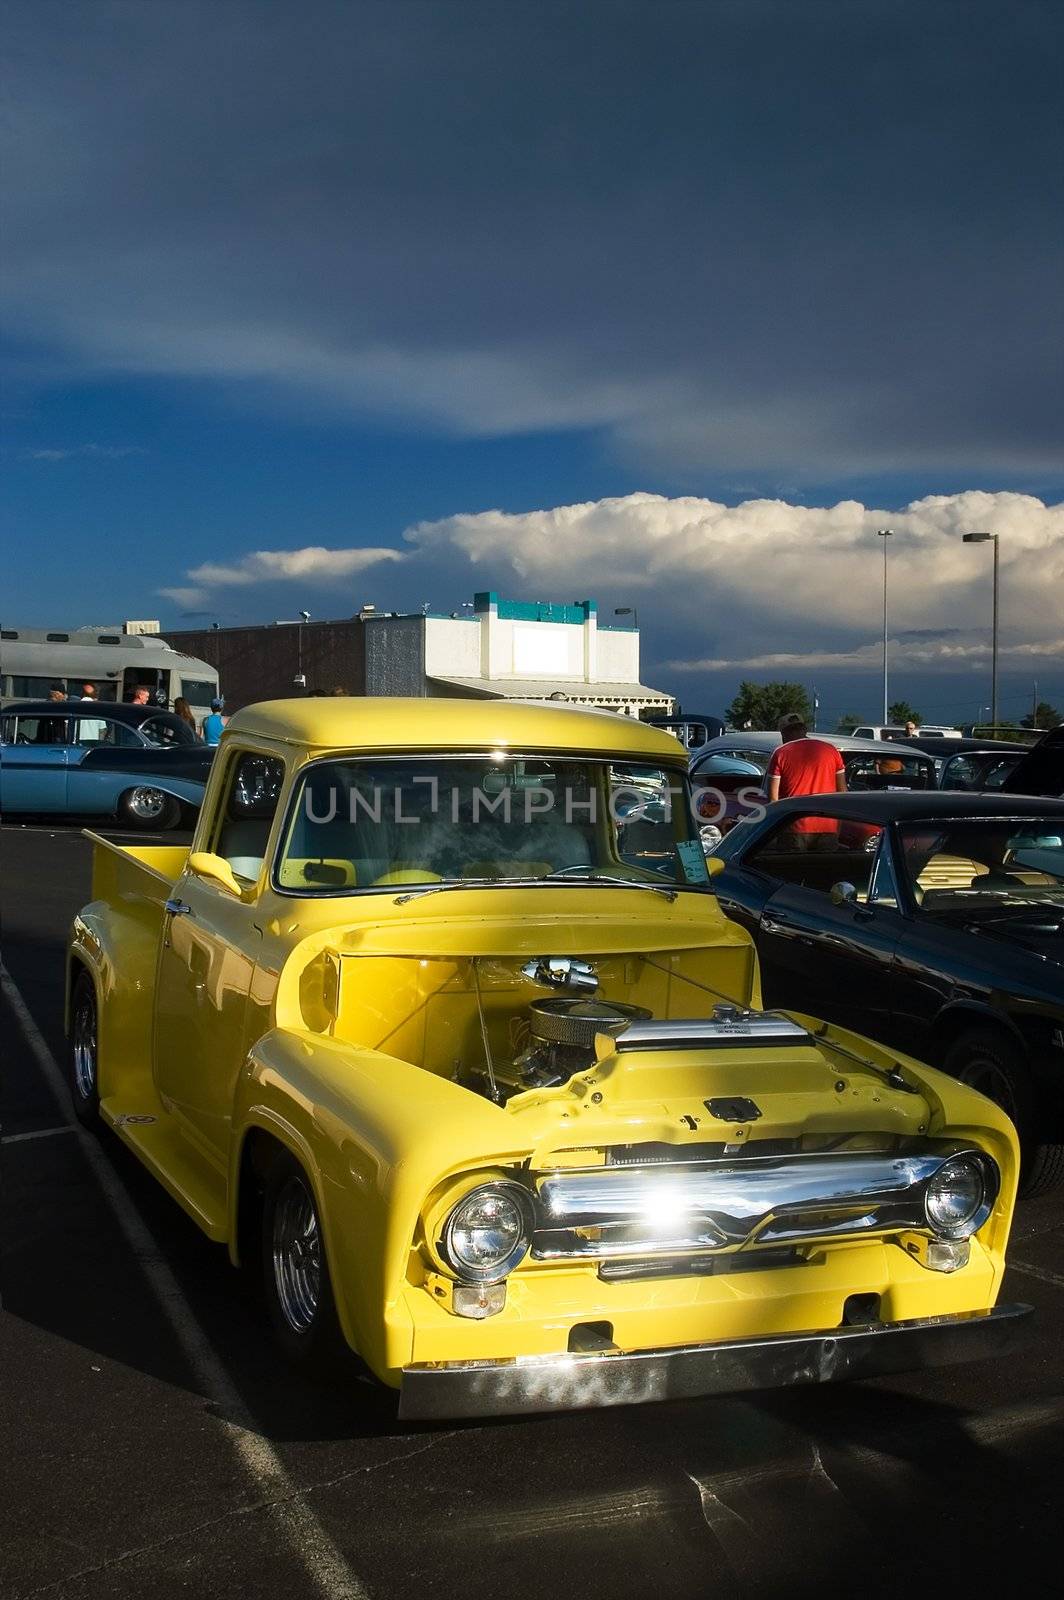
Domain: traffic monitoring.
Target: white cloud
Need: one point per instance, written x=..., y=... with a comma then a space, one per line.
x=184, y=597
x=314, y=563
x=767, y=572
x=100, y=452
x=947, y=655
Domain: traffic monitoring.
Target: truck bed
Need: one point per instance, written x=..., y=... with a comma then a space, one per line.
x=142, y=870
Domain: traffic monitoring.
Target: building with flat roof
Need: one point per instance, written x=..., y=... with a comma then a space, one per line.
x=494, y=649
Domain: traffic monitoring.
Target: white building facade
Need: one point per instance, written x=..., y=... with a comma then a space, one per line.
x=512, y=649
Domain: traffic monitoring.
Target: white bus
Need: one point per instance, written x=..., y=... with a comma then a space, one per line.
x=33, y=660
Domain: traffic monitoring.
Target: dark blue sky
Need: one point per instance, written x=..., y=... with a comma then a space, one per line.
x=285, y=276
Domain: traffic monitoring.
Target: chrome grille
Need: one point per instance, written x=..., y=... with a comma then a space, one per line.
x=625, y=1212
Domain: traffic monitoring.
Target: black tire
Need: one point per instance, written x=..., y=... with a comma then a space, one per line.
x=986, y=1060
x=295, y=1273
x=83, y=1060
x=145, y=807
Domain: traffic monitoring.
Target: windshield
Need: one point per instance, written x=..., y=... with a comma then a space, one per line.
x=981, y=770
x=491, y=819
x=167, y=729
x=894, y=769
x=985, y=864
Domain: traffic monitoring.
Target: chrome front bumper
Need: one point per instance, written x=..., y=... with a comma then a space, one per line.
x=441, y=1391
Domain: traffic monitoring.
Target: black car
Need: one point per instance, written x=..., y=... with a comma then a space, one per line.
x=139, y=764
x=979, y=768
x=932, y=922
x=970, y=764
x=693, y=730
x=1041, y=770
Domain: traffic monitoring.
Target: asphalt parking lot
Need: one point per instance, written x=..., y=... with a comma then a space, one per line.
x=153, y=1442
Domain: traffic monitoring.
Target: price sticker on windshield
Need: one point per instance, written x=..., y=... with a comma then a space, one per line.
x=693, y=860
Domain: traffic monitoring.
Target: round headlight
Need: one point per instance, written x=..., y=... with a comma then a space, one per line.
x=958, y=1199
x=488, y=1232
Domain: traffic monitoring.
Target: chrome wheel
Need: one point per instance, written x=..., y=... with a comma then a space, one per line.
x=296, y=1253
x=83, y=1045
x=147, y=805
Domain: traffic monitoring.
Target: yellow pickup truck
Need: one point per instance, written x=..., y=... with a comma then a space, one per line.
x=438, y=1024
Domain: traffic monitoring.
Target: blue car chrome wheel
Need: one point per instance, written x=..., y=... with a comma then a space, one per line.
x=147, y=807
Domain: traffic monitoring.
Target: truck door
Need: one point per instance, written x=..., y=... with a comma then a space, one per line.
x=207, y=957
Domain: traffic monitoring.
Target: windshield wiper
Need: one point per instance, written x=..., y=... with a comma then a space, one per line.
x=449, y=883
x=527, y=883
x=564, y=876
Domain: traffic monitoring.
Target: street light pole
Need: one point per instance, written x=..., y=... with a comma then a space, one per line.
x=885, y=534
x=983, y=538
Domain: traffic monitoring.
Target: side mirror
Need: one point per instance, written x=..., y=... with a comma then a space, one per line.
x=714, y=864
x=843, y=894
x=206, y=865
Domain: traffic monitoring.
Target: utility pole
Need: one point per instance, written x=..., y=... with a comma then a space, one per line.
x=885, y=534
x=985, y=538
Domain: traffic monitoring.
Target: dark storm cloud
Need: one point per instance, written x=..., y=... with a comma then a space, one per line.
x=819, y=237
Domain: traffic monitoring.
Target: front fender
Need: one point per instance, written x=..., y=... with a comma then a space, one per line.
x=375, y=1136
x=955, y=1112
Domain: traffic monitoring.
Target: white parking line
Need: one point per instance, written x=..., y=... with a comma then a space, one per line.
x=309, y=1540
x=1041, y=1273
x=37, y=1133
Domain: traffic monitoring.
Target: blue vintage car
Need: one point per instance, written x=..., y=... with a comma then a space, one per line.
x=87, y=758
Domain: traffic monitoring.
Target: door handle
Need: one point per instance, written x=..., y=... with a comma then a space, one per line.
x=778, y=924
x=178, y=908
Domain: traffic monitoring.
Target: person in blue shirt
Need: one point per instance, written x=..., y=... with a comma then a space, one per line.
x=213, y=725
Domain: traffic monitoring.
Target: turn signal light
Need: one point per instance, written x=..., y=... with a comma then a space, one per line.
x=478, y=1299
x=947, y=1255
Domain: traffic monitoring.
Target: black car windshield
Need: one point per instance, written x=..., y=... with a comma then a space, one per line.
x=165, y=729
x=491, y=819
x=984, y=864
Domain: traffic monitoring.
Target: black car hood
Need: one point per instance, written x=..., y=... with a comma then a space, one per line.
x=174, y=761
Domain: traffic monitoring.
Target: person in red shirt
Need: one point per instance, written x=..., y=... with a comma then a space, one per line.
x=802, y=766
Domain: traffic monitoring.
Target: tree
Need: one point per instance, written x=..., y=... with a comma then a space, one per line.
x=902, y=712
x=848, y=722
x=761, y=705
x=1043, y=716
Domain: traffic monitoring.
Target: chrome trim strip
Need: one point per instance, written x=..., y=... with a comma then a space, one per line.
x=715, y=1032
x=449, y=1390
x=611, y=1212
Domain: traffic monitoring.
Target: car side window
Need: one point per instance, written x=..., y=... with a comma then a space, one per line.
x=99, y=730
x=998, y=773
x=161, y=730
x=864, y=772
x=253, y=790
x=816, y=852
x=960, y=772
x=883, y=888
x=41, y=730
